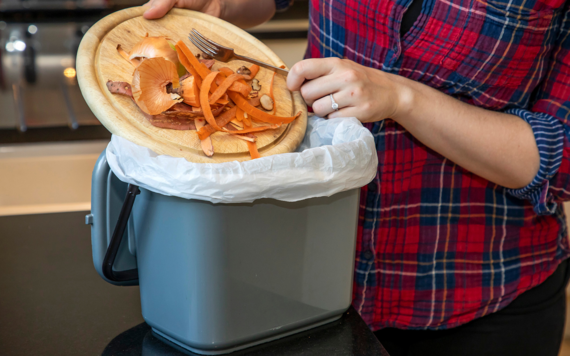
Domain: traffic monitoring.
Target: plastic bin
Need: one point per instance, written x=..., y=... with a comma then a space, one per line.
x=216, y=278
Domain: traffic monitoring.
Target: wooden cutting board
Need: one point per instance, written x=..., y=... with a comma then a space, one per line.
x=98, y=61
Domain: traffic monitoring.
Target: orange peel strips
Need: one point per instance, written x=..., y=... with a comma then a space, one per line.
x=237, y=89
x=246, y=120
x=206, y=109
x=193, y=62
x=255, y=101
x=202, y=70
x=254, y=69
x=245, y=138
x=186, y=63
x=242, y=117
x=226, y=71
x=253, y=152
x=239, y=86
x=222, y=101
x=239, y=115
x=221, y=90
x=253, y=129
x=271, y=94
x=221, y=120
x=257, y=114
x=205, y=143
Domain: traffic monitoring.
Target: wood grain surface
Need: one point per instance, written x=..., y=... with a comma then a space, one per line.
x=98, y=61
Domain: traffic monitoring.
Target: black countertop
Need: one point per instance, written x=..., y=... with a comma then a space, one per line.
x=348, y=336
x=52, y=302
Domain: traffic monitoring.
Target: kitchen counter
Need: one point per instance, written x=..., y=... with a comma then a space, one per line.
x=54, y=303
x=348, y=336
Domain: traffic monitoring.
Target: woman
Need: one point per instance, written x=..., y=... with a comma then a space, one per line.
x=462, y=237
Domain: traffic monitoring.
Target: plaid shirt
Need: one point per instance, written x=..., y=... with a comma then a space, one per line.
x=437, y=245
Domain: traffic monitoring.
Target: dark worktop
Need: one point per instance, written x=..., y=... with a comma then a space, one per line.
x=52, y=302
x=348, y=336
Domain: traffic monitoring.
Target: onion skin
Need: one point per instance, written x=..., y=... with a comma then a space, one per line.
x=150, y=80
x=188, y=91
x=155, y=47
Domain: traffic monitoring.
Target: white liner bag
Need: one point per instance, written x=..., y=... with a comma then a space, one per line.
x=335, y=155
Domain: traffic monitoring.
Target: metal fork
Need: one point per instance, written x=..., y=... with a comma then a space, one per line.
x=224, y=54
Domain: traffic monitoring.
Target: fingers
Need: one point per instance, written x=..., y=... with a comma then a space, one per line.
x=323, y=106
x=310, y=69
x=158, y=8
x=315, y=89
x=349, y=111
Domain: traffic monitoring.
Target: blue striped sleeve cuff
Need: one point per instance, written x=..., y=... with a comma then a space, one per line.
x=549, y=135
x=282, y=5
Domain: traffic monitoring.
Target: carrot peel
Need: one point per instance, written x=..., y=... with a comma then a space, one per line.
x=221, y=120
x=254, y=69
x=186, y=63
x=243, y=104
x=239, y=115
x=253, y=129
x=253, y=152
x=202, y=70
x=206, y=109
x=224, y=86
x=271, y=94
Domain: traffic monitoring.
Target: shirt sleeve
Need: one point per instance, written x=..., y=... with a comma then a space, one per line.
x=549, y=117
x=282, y=5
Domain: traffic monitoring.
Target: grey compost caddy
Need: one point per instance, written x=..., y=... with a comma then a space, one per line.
x=216, y=278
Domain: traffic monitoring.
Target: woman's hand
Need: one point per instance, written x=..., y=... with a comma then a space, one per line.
x=365, y=93
x=497, y=146
x=159, y=8
x=242, y=13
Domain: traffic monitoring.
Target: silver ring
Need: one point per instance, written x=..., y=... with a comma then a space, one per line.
x=334, y=104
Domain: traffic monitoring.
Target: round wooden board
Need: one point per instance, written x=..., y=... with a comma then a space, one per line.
x=98, y=61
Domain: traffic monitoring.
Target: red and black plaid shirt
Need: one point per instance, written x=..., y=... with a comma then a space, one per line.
x=437, y=245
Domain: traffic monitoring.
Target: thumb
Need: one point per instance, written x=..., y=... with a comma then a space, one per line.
x=157, y=8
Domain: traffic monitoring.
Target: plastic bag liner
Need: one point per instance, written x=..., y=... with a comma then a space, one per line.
x=335, y=155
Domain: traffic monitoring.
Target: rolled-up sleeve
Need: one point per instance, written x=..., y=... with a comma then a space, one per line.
x=549, y=118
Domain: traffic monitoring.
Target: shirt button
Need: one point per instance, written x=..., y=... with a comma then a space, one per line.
x=372, y=187
x=368, y=255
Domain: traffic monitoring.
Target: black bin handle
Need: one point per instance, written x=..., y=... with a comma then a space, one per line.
x=113, y=248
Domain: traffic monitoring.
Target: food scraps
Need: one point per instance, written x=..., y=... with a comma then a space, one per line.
x=176, y=90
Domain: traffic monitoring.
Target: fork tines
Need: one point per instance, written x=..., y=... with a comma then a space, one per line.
x=202, y=45
x=215, y=44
